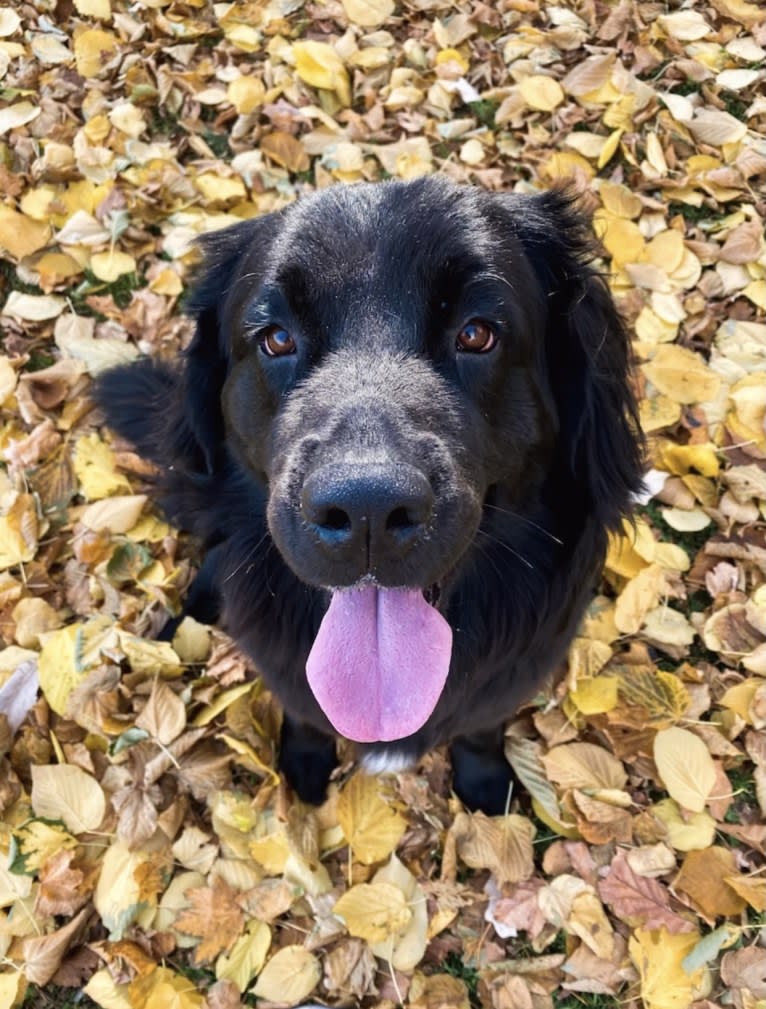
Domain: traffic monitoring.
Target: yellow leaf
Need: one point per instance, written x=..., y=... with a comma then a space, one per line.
x=219, y=188
x=109, y=266
x=94, y=8
x=96, y=470
x=666, y=250
x=685, y=767
x=118, y=896
x=740, y=11
x=93, y=49
x=681, y=374
x=191, y=642
x=19, y=531
x=56, y=267
x=661, y=694
x=117, y=514
x=66, y=658
x=369, y=824
x=541, y=92
x=167, y=282
x=404, y=950
x=619, y=200
x=686, y=520
x=246, y=957
x=65, y=792
x=658, y=413
x=128, y=119
x=752, y=889
x=373, y=911
x=319, y=65
x=566, y=165
x=452, y=56
x=621, y=237
x=658, y=956
x=610, y=147
x=246, y=94
x=680, y=459
x=150, y=657
x=39, y=840
x=164, y=989
x=105, y=991
x=20, y=235
x=595, y=695
x=290, y=976
x=641, y=594
x=368, y=13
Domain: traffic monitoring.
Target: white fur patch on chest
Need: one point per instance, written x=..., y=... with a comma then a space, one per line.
x=386, y=762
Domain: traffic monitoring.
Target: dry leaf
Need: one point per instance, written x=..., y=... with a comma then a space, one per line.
x=373, y=911
x=370, y=825
x=290, y=976
x=685, y=767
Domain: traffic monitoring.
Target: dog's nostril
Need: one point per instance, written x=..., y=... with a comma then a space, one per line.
x=336, y=519
x=400, y=518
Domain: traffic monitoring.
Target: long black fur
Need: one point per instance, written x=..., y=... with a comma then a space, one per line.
x=373, y=279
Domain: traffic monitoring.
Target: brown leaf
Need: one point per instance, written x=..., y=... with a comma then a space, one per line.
x=286, y=151
x=43, y=953
x=214, y=916
x=637, y=899
x=502, y=844
x=702, y=877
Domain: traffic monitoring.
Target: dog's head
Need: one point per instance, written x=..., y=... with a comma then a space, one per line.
x=394, y=364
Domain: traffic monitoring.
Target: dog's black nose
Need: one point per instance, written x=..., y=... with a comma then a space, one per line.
x=379, y=508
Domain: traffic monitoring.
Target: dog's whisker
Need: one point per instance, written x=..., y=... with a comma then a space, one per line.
x=527, y=521
x=249, y=556
x=505, y=546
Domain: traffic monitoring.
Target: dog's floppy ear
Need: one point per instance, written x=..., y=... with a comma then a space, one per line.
x=587, y=355
x=206, y=359
x=173, y=415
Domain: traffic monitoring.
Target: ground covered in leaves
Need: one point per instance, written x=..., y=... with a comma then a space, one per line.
x=148, y=852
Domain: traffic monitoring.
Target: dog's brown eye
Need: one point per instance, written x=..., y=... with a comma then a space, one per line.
x=276, y=342
x=476, y=337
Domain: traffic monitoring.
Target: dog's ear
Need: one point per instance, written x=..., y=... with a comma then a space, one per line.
x=207, y=356
x=587, y=353
x=173, y=415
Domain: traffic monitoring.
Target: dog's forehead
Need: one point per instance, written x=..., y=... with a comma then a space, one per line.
x=394, y=233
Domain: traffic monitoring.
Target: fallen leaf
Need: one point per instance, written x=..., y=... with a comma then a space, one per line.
x=685, y=767
x=290, y=976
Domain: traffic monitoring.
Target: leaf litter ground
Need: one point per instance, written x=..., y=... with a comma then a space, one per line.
x=148, y=852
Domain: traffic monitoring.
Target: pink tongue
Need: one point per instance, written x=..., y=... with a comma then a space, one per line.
x=379, y=662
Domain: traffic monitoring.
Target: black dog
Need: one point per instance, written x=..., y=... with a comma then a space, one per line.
x=402, y=432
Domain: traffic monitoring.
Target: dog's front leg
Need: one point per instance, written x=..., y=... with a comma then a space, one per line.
x=307, y=758
x=481, y=776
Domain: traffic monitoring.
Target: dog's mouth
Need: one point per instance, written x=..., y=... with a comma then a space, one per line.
x=380, y=660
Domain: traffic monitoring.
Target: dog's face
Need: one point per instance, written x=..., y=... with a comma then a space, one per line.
x=426, y=385
x=385, y=376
